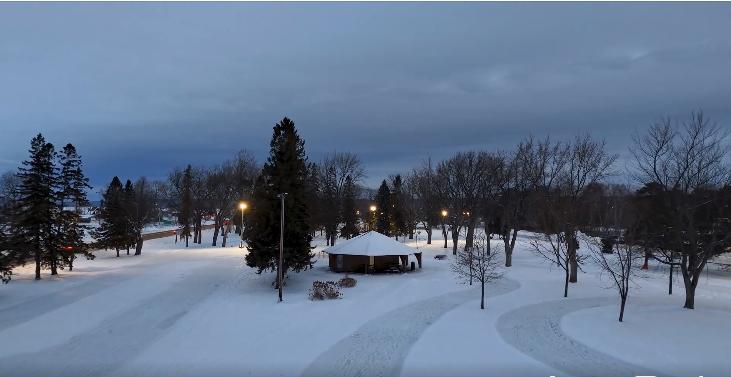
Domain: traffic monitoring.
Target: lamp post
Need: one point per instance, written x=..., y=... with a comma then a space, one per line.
x=280, y=276
x=444, y=228
x=373, y=218
x=243, y=207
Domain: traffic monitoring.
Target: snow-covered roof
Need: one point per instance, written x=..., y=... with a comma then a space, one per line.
x=371, y=244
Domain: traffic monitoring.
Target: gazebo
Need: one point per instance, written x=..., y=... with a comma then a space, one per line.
x=371, y=251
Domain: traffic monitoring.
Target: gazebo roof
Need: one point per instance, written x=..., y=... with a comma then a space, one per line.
x=371, y=244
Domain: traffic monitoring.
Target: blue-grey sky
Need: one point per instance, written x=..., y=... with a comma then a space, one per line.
x=139, y=88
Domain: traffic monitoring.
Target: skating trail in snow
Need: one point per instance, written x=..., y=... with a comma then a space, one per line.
x=380, y=347
x=110, y=345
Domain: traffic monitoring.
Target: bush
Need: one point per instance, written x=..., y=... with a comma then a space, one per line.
x=322, y=290
x=347, y=282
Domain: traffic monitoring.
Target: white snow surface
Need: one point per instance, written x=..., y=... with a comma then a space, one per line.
x=371, y=244
x=200, y=311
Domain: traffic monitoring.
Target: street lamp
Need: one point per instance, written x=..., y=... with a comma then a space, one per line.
x=243, y=207
x=280, y=276
x=444, y=228
x=373, y=218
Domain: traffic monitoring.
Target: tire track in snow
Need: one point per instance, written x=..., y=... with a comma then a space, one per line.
x=380, y=347
x=118, y=339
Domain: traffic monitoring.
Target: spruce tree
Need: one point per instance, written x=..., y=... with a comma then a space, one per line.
x=284, y=172
x=111, y=232
x=34, y=234
x=331, y=203
x=129, y=206
x=314, y=200
x=350, y=218
x=73, y=186
x=397, y=206
x=186, y=204
x=7, y=257
x=384, y=209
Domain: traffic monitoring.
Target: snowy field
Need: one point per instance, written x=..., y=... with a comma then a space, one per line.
x=201, y=312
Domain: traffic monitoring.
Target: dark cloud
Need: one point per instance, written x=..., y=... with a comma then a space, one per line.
x=142, y=87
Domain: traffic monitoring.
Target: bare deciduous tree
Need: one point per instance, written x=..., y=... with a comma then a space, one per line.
x=686, y=170
x=424, y=182
x=618, y=262
x=480, y=262
x=459, y=182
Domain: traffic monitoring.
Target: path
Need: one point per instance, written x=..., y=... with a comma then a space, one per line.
x=379, y=347
x=120, y=338
x=535, y=330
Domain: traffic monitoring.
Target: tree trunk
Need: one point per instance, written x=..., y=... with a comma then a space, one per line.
x=444, y=232
x=216, y=228
x=54, y=264
x=428, y=235
x=470, y=235
x=670, y=281
x=621, y=309
x=186, y=240
x=482, y=300
x=566, y=284
x=455, y=240
x=508, y=255
x=332, y=239
x=225, y=237
x=689, y=296
x=140, y=241
x=117, y=252
x=127, y=250
x=200, y=229
x=38, y=265
x=71, y=262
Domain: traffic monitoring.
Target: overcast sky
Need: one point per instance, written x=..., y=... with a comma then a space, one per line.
x=139, y=88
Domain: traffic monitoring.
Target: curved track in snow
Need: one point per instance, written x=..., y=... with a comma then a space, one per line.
x=379, y=347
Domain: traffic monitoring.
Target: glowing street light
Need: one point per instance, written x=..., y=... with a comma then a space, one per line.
x=372, y=222
x=444, y=227
x=243, y=207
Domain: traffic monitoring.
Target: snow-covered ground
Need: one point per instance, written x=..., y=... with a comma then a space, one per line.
x=201, y=311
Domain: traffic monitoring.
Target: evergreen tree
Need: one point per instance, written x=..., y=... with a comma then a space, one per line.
x=398, y=207
x=186, y=204
x=331, y=203
x=384, y=209
x=350, y=218
x=129, y=205
x=7, y=257
x=34, y=234
x=314, y=200
x=285, y=171
x=73, y=186
x=112, y=232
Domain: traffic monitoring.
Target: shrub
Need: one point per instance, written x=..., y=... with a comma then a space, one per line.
x=347, y=282
x=322, y=290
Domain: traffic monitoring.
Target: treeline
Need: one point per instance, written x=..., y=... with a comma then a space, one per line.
x=39, y=221
x=677, y=205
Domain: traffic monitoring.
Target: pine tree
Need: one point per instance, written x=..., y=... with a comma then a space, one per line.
x=383, y=209
x=350, y=218
x=112, y=231
x=397, y=207
x=130, y=209
x=73, y=186
x=34, y=234
x=284, y=172
x=331, y=203
x=7, y=257
x=314, y=200
x=186, y=204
